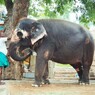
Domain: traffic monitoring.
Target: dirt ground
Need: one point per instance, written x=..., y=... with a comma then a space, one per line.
x=25, y=88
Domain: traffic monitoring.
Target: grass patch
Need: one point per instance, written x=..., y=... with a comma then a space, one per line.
x=63, y=65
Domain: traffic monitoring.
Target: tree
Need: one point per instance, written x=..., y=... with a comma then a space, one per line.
x=89, y=12
x=16, y=10
x=53, y=8
x=49, y=8
x=20, y=9
x=8, y=20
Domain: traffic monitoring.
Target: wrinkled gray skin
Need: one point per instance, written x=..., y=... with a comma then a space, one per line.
x=64, y=42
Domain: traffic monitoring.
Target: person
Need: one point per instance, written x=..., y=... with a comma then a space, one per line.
x=3, y=54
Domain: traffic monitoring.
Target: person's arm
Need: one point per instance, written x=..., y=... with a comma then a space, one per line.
x=3, y=39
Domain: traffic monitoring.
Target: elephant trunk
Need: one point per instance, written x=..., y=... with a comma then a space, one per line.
x=19, y=52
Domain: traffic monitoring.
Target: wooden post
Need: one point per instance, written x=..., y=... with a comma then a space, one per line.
x=32, y=63
x=51, y=69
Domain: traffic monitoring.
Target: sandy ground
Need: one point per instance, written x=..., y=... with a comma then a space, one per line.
x=25, y=88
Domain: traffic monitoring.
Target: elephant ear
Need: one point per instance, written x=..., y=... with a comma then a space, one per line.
x=19, y=52
x=37, y=32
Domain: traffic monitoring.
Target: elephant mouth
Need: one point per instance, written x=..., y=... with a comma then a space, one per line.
x=22, y=53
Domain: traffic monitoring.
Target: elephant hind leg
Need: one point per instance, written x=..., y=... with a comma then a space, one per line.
x=79, y=69
x=87, y=61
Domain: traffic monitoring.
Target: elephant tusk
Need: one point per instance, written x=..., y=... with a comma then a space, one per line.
x=11, y=59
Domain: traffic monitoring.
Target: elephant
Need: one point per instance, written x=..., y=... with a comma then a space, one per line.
x=57, y=40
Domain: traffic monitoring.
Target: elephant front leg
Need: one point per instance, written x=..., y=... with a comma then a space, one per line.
x=39, y=72
x=45, y=76
x=44, y=53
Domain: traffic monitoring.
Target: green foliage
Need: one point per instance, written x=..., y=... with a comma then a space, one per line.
x=61, y=4
x=47, y=1
x=89, y=14
x=49, y=8
x=42, y=8
x=2, y=2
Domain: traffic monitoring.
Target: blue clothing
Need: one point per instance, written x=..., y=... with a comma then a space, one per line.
x=1, y=27
x=3, y=60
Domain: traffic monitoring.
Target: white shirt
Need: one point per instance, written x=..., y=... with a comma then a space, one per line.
x=3, y=47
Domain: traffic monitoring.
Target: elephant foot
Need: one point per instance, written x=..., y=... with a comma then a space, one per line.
x=83, y=82
x=36, y=85
x=46, y=81
x=40, y=84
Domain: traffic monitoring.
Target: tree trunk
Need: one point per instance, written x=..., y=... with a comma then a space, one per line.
x=8, y=20
x=20, y=10
x=15, y=11
x=13, y=72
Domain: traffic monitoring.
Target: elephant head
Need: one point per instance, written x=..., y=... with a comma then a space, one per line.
x=24, y=37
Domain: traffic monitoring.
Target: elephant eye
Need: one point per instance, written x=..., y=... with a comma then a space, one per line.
x=37, y=30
